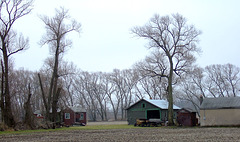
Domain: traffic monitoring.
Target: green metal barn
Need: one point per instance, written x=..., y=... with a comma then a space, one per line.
x=149, y=109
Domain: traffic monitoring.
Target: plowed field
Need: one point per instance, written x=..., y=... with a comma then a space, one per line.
x=130, y=135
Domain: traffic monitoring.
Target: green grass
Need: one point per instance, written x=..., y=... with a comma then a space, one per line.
x=92, y=127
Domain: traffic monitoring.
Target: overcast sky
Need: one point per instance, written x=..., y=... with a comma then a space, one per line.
x=106, y=42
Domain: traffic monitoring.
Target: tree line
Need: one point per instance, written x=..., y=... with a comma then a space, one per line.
x=107, y=95
x=167, y=73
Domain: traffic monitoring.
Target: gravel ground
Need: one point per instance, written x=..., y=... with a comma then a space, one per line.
x=131, y=135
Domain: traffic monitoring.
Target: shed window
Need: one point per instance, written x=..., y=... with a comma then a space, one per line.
x=82, y=116
x=143, y=105
x=67, y=115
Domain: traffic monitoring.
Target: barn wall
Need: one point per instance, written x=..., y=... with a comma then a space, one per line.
x=85, y=118
x=139, y=111
x=72, y=117
x=220, y=117
x=186, y=118
x=133, y=115
x=78, y=117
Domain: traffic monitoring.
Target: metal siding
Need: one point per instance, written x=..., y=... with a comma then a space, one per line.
x=133, y=115
x=138, y=112
x=220, y=117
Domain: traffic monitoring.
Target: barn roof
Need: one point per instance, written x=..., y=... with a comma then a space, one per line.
x=220, y=103
x=162, y=104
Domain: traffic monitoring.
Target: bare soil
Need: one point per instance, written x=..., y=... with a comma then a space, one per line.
x=130, y=135
x=107, y=123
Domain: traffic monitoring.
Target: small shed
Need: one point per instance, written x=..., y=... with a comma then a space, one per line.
x=149, y=109
x=74, y=116
x=224, y=111
x=186, y=117
x=38, y=114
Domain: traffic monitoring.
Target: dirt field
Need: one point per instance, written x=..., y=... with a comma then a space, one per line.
x=131, y=135
x=107, y=123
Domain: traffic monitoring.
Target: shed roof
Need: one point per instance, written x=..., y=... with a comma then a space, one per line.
x=191, y=106
x=220, y=103
x=77, y=109
x=162, y=104
x=37, y=112
x=189, y=110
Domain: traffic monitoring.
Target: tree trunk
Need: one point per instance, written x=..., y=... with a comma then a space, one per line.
x=8, y=116
x=54, y=92
x=29, y=116
x=43, y=97
x=2, y=94
x=54, y=105
x=170, y=96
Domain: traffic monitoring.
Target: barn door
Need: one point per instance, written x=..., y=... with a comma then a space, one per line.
x=153, y=114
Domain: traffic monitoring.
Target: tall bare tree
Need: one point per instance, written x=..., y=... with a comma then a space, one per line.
x=223, y=80
x=68, y=71
x=121, y=87
x=84, y=86
x=10, y=12
x=57, y=29
x=191, y=86
x=175, y=41
x=232, y=75
x=153, y=87
x=112, y=92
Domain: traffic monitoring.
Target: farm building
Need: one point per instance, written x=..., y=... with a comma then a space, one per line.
x=38, y=114
x=187, y=117
x=223, y=111
x=149, y=109
x=74, y=115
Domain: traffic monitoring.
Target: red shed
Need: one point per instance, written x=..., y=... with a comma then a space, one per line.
x=186, y=117
x=74, y=116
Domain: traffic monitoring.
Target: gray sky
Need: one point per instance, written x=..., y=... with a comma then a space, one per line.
x=106, y=43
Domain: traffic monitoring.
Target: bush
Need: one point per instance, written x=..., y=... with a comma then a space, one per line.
x=4, y=127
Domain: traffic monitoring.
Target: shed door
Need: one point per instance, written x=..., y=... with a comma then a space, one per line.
x=153, y=114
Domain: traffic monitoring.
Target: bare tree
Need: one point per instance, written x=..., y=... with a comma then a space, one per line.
x=191, y=86
x=84, y=86
x=120, y=85
x=57, y=30
x=153, y=87
x=19, y=90
x=223, y=80
x=217, y=84
x=175, y=41
x=232, y=76
x=98, y=91
x=29, y=117
x=68, y=71
x=10, y=12
x=112, y=94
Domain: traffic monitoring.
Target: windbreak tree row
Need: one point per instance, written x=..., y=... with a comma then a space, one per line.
x=107, y=95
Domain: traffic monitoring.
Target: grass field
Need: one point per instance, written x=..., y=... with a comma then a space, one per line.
x=88, y=127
